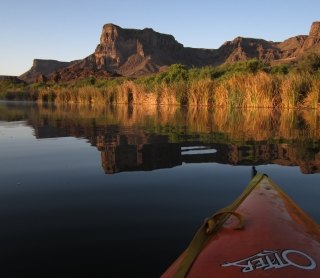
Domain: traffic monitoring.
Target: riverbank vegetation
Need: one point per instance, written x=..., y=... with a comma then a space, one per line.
x=243, y=84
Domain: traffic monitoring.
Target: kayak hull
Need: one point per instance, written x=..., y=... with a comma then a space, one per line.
x=278, y=240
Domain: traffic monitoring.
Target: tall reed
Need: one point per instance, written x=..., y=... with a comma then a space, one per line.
x=167, y=95
x=243, y=90
x=200, y=92
x=130, y=92
x=312, y=99
x=250, y=91
x=294, y=89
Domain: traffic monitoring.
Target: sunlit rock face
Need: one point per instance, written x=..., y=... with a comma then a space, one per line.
x=242, y=49
x=313, y=40
x=137, y=52
x=120, y=46
x=134, y=52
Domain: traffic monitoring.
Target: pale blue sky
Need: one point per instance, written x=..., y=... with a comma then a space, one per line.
x=70, y=29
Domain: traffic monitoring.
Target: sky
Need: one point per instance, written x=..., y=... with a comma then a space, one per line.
x=67, y=30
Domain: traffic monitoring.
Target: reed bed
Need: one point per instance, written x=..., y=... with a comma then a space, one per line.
x=244, y=90
x=167, y=95
x=247, y=91
x=200, y=92
x=294, y=90
x=312, y=99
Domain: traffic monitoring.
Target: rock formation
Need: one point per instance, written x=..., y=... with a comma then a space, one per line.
x=313, y=40
x=11, y=79
x=132, y=52
x=242, y=49
x=42, y=68
x=291, y=47
x=127, y=51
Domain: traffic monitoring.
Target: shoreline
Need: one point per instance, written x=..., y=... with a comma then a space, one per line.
x=250, y=84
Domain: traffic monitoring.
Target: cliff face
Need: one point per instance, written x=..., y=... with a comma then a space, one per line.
x=127, y=50
x=313, y=40
x=242, y=49
x=41, y=68
x=291, y=47
x=81, y=69
x=132, y=52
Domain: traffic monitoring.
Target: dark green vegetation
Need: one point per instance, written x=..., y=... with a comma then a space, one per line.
x=252, y=83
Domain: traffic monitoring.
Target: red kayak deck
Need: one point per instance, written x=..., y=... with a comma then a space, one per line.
x=278, y=240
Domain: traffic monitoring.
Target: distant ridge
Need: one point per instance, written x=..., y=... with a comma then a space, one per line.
x=42, y=68
x=134, y=52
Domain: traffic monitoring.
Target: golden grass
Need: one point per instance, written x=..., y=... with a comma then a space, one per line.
x=200, y=92
x=238, y=90
x=249, y=91
x=299, y=90
x=167, y=95
x=130, y=92
x=312, y=100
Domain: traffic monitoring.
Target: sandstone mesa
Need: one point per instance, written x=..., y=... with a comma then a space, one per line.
x=133, y=53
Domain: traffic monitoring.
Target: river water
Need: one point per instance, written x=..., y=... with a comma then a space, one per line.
x=119, y=191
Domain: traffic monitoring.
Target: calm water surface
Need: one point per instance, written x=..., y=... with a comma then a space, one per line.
x=119, y=191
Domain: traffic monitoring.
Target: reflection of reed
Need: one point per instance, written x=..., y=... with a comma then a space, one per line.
x=248, y=124
x=167, y=114
x=199, y=119
x=235, y=124
x=241, y=136
x=312, y=121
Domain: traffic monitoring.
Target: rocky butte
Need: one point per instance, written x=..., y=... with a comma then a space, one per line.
x=133, y=52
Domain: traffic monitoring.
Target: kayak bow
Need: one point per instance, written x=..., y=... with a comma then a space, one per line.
x=262, y=234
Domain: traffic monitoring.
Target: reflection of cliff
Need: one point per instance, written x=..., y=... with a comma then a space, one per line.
x=280, y=154
x=131, y=149
x=131, y=153
x=140, y=157
x=120, y=152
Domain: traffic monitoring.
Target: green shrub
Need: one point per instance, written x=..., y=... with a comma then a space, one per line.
x=279, y=69
x=310, y=63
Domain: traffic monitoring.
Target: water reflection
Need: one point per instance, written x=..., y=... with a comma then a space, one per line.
x=61, y=212
x=138, y=138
